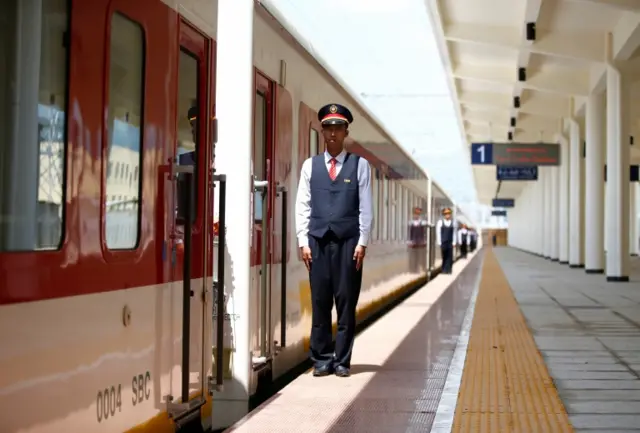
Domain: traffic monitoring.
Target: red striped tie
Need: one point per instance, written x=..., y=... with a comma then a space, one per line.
x=332, y=170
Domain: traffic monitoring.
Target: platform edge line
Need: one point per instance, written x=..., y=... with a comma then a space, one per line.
x=446, y=411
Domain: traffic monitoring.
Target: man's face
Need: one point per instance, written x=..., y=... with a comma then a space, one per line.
x=334, y=135
x=447, y=216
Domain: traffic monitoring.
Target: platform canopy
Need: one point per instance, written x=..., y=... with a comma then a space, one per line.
x=484, y=44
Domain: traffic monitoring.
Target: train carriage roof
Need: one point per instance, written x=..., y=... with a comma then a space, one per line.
x=404, y=166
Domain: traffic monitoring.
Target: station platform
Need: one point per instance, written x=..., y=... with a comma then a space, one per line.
x=509, y=342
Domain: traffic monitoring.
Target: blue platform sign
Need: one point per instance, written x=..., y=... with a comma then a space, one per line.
x=482, y=153
x=503, y=202
x=516, y=172
x=511, y=153
x=502, y=213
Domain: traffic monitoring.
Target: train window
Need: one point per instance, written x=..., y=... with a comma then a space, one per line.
x=385, y=208
x=392, y=210
x=187, y=130
x=402, y=212
x=374, y=194
x=313, y=142
x=260, y=144
x=124, y=127
x=33, y=79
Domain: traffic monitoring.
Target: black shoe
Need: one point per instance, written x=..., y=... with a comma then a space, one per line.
x=342, y=371
x=325, y=370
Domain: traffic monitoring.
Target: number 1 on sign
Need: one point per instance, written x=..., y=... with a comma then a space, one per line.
x=480, y=150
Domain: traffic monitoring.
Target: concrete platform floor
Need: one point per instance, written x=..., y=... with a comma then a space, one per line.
x=588, y=332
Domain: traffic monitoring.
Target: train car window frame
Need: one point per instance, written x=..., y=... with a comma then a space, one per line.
x=392, y=210
x=403, y=214
x=109, y=131
x=314, y=134
x=385, y=209
x=374, y=204
x=51, y=123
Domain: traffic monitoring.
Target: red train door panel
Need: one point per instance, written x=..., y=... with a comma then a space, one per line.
x=264, y=193
x=190, y=197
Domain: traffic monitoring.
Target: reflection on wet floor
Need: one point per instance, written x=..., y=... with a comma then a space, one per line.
x=399, y=369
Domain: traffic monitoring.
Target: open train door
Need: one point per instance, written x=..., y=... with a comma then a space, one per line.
x=189, y=226
x=262, y=227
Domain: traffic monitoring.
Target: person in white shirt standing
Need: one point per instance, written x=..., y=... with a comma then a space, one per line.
x=334, y=214
x=464, y=238
x=417, y=242
x=446, y=239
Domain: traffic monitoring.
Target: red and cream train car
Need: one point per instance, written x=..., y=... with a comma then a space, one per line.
x=107, y=245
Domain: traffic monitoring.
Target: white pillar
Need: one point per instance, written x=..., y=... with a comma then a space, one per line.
x=234, y=110
x=555, y=215
x=633, y=219
x=617, y=185
x=563, y=187
x=575, y=194
x=546, y=199
x=594, y=194
x=582, y=195
x=539, y=215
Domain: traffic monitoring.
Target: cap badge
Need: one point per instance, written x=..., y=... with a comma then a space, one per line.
x=333, y=109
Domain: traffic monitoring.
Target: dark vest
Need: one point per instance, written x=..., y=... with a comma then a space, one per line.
x=417, y=233
x=463, y=237
x=446, y=234
x=335, y=205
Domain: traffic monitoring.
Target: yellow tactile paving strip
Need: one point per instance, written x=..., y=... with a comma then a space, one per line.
x=505, y=386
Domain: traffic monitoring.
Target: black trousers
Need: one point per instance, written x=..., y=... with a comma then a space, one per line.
x=333, y=275
x=447, y=257
x=473, y=245
x=463, y=249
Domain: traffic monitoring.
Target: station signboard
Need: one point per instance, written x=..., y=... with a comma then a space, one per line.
x=521, y=154
x=503, y=202
x=496, y=212
x=516, y=172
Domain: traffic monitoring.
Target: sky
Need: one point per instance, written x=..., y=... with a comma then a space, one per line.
x=385, y=51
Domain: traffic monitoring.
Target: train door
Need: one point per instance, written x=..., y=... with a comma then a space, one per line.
x=261, y=242
x=189, y=231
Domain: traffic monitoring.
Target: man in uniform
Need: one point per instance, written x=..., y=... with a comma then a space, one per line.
x=333, y=221
x=417, y=242
x=446, y=240
x=473, y=242
x=464, y=238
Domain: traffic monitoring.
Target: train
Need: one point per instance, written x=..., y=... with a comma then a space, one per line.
x=146, y=282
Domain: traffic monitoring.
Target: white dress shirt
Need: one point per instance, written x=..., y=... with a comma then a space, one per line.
x=447, y=223
x=462, y=232
x=303, y=198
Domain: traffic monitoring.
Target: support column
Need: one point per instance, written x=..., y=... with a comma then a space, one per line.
x=633, y=219
x=234, y=102
x=555, y=213
x=546, y=198
x=563, y=187
x=575, y=194
x=582, y=194
x=594, y=194
x=539, y=215
x=617, y=185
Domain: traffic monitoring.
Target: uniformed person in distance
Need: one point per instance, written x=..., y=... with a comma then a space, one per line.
x=464, y=237
x=473, y=242
x=417, y=241
x=446, y=239
x=333, y=221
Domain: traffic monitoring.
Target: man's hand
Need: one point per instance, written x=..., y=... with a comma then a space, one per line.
x=358, y=256
x=306, y=257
